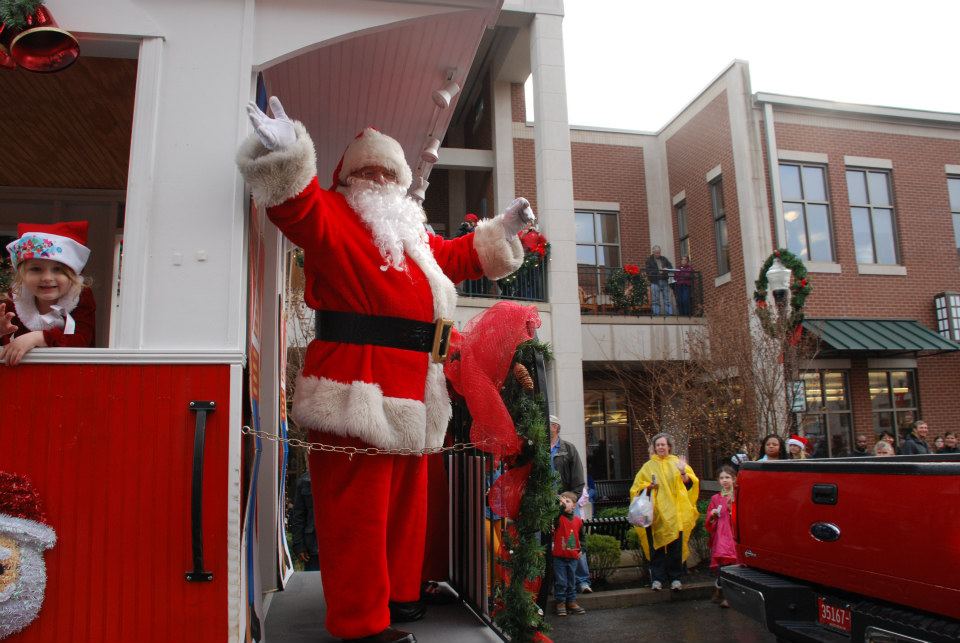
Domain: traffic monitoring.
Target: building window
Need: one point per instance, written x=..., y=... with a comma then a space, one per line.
x=598, y=246
x=828, y=422
x=607, y=435
x=871, y=208
x=947, y=307
x=893, y=398
x=806, y=211
x=953, y=187
x=720, y=227
x=681, y=209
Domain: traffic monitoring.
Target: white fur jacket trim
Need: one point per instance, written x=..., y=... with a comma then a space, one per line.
x=360, y=410
x=499, y=255
x=275, y=177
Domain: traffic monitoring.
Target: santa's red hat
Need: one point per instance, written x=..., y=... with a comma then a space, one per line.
x=20, y=514
x=797, y=441
x=371, y=147
x=64, y=242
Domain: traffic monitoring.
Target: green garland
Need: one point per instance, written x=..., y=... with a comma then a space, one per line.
x=627, y=288
x=519, y=616
x=531, y=261
x=800, y=289
x=14, y=13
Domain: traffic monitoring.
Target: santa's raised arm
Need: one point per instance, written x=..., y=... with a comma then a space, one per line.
x=383, y=290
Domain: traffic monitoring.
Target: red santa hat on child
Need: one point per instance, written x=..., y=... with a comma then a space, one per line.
x=20, y=514
x=471, y=218
x=371, y=147
x=64, y=242
x=797, y=441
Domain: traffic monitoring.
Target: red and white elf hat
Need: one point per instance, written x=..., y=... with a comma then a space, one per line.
x=797, y=441
x=20, y=514
x=371, y=147
x=64, y=242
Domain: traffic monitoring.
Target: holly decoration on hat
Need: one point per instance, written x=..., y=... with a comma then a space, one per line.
x=800, y=289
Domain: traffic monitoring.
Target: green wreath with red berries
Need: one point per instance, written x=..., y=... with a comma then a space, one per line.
x=627, y=288
x=800, y=288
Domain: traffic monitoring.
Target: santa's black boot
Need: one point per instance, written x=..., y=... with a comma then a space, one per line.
x=407, y=612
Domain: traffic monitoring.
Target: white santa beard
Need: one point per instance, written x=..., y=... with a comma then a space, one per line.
x=395, y=220
x=19, y=609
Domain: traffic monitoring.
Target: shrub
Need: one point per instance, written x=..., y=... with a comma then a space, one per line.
x=612, y=512
x=603, y=556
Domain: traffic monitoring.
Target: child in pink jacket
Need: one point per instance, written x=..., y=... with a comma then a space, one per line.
x=723, y=549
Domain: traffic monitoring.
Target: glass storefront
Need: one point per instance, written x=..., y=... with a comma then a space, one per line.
x=607, y=435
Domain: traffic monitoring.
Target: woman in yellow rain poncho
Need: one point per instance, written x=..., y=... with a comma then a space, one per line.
x=674, y=492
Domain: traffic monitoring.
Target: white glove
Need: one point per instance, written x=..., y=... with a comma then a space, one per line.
x=274, y=133
x=517, y=217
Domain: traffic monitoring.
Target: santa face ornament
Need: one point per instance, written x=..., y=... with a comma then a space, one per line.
x=24, y=535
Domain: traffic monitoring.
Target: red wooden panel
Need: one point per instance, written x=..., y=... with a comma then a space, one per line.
x=110, y=450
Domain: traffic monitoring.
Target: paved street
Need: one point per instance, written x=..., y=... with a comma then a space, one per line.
x=676, y=622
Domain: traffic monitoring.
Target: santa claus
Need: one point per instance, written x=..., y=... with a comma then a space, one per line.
x=384, y=295
x=24, y=535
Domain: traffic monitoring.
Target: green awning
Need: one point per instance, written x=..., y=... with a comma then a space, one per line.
x=877, y=336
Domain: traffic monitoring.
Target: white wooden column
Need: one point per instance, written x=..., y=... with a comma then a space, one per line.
x=555, y=204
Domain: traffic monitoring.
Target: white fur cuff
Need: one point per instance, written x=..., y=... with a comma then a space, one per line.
x=499, y=254
x=278, y=176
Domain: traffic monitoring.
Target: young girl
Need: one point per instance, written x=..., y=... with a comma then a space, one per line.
x=723, y=550
x=50, y=303
x=797, y=447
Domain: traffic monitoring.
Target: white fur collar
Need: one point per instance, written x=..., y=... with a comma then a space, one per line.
x=25, y=303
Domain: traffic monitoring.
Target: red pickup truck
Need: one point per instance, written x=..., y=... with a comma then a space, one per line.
x=850, y=549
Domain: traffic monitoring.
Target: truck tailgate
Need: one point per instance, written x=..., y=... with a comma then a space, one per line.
x=887, y=528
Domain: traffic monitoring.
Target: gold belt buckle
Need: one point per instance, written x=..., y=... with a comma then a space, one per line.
x=441, y=340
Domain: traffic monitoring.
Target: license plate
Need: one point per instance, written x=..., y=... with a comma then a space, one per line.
x=832, y=615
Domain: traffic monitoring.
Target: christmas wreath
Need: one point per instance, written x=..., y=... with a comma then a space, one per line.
x=800, y=288
x=627, y=288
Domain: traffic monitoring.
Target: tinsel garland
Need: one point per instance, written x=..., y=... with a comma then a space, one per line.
x=14, y=13
x=518, y=615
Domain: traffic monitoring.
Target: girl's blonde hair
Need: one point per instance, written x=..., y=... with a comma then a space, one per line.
x=78, y=281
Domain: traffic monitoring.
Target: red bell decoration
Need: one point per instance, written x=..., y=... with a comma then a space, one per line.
x=43, y=46
x=7, y=34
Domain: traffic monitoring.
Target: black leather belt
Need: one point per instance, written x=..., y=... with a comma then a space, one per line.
x=380, y=330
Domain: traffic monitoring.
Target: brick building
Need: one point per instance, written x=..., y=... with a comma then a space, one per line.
x=868, y=197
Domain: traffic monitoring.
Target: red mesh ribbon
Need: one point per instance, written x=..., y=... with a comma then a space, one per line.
x=18, y=498
x=507, y=491
x=479, y=362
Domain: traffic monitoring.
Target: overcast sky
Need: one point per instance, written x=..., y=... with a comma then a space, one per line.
x=633, y=64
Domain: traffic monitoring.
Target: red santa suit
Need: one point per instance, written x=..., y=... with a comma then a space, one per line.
x=370, y=509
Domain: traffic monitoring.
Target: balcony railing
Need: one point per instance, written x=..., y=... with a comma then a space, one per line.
x=677, y=300
x=527, y=284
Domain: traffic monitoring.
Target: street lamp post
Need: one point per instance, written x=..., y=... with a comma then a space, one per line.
x=778, y=280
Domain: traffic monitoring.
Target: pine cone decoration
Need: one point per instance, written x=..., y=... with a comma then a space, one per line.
x=522, y=376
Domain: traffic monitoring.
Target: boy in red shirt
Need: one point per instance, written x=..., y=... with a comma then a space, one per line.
x=566, y=550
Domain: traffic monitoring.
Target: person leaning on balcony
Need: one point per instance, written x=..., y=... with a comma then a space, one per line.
x=915, y=443
x=684, y=285
x=675, y=489
x=656, y=269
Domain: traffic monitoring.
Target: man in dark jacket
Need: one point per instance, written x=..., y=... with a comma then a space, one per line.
x=915, y=443
x=860, y=450
x=657, y=268
x=565, y=460
x=302, y=529
x=949, y=443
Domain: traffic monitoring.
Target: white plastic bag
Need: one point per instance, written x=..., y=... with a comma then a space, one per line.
x=640, y=513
